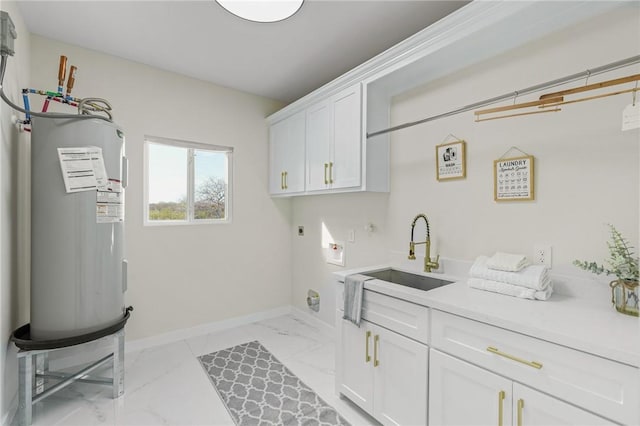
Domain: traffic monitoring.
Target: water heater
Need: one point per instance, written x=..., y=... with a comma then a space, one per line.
x=78, y=269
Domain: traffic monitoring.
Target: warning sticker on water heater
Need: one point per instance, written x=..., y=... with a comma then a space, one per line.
x=82, y=168
x=110, y=203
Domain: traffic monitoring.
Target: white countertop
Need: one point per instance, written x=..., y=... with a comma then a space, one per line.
x=579, y=314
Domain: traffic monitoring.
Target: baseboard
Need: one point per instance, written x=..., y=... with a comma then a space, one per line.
x=186, y=333
x=326, y=329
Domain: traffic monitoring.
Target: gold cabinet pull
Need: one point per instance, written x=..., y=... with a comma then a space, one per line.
x=330, y=172
x=376, y=361
x=286, y=178
x=367, y=358
x=501, y=396
x=496, y=351
x=520, y=407
x=326, y=181
x=281, y=180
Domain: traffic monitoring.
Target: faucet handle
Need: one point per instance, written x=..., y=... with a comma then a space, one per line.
x=435, y=264
x=431, y=264
x=412, y=251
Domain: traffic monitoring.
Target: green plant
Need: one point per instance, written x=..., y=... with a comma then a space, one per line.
x=622, y=262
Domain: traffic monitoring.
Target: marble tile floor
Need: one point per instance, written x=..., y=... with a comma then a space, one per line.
x=165, y=385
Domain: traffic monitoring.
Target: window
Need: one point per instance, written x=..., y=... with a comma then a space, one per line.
x=186, y=182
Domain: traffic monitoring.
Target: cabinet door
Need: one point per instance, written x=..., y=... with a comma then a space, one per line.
x=345, y=166
x=463, y=394
x=318, y=139
x=356, y=354
x=293, y=155
x=533, y=408
x=286, y=155
x=400, y=379
x=278, y=136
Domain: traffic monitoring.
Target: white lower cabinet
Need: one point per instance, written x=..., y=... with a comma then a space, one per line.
x=472, y=373
x=384, y=373
x=571, y=378
x=356, y=359
x=533, y=408
x=461, y=393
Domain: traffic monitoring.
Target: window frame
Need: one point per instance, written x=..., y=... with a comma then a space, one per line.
x=191, y=147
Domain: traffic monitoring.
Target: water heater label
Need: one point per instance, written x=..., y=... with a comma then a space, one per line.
x=110, y=203
x=82, y=168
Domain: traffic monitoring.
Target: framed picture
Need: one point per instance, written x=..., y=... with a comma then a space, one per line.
x=513, y=179
x=451, y=161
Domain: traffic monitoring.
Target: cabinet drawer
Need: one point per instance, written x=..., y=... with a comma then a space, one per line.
x=403, y=317
x=602, y=386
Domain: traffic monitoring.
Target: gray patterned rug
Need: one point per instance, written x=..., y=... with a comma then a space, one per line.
x=258, y=390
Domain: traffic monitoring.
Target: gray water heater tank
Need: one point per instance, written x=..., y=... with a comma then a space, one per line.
x=78, y=269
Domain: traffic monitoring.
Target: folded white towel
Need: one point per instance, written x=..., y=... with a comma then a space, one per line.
x=507, y=262
x=511, y=290
x=353, y=290
x=533, y=276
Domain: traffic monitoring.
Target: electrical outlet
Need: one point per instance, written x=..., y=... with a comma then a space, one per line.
x=300, y=231
x=542, y=255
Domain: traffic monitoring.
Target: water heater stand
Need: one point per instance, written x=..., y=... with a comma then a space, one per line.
x=34, y=373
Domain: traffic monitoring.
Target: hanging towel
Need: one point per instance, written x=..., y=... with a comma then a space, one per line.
x=507, y=262
x=511, y=290
x=533, y=276
x=353, y=290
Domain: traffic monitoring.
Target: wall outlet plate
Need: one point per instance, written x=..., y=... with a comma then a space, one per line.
x=542, y=255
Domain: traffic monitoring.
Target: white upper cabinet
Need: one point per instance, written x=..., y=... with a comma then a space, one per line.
x=347, y=138
x=318, y=140
x=334, y=155
x=286, y=155
x=334, y=141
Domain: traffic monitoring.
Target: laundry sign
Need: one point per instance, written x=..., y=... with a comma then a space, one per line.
x=451, y=161
x=513, y=179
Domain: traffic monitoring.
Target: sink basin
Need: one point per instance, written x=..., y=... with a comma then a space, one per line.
x=407, y=279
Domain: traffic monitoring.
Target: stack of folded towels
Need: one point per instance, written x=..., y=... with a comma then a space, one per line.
x=512, y=275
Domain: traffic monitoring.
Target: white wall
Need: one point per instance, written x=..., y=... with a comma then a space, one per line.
x=181, y=276
x=586, y=168
x=334, y=215
x=13, y=152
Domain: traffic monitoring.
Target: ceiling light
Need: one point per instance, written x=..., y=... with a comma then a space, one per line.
x=262, y=10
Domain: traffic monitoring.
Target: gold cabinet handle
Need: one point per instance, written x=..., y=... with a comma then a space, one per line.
x=376, y=361
x=520, y=407
x=326, y=181
x=501, y=396
x=367, y=358
x=496, y=351
x=286, y=178
x=330, y=172
x=281, y=180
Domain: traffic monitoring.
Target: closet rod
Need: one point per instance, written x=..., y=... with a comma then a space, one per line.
x=538, y=87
